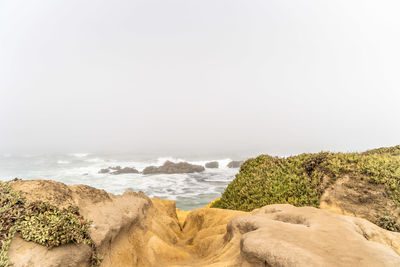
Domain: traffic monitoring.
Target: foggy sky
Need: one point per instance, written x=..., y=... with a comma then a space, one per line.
x=175, y=76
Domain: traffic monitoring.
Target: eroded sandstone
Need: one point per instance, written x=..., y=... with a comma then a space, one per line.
x=133, y=230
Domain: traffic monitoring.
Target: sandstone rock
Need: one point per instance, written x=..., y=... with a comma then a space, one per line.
x=235, y=164
x=212, y=165
x=346, y=197
x=284, y=235
x=28, y=254
x=171, y=168
x=133, y=230
x=112, y=216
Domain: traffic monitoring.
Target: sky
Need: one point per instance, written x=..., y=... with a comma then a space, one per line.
x=199, y=76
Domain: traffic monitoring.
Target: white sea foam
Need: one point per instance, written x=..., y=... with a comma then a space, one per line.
x=188, y=190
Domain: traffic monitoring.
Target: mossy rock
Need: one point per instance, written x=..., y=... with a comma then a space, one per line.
x=39, y=222
x=302, y=180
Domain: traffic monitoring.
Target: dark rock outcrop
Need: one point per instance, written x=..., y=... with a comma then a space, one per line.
x=235, y=164
x=119, y=170
x=125, y=170
x=104, y=170
x=212, y=165
x=171, y=168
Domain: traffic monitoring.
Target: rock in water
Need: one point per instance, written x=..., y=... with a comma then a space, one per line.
x=119, y=170
x=104, y=170
x=212, y=165
x=171, y=168
x=125, y=170
x=235, y=164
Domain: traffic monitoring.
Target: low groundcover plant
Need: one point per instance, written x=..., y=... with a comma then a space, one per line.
x=41, y=223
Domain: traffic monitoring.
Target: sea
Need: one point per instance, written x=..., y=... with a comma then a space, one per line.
x=189, y=191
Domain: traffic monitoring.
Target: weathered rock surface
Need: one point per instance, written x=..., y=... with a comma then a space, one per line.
x=345, y=197
x=284, y=235
x=133, y=230
x=119, y=170
x=212, y=165
x=171, y=168
x=112, y=215
x=235, y=164
x=24, y=253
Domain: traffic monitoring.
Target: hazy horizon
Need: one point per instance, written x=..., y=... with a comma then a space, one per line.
x=199, y=77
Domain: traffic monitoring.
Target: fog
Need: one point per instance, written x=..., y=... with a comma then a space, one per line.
x=226, y=76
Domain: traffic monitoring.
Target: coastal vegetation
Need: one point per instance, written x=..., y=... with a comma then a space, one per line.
x=135, y=230
x=39, y=222
x=301, y=180
x=372, y=176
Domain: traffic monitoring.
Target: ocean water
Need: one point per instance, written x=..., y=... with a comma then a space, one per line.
x=189, y=191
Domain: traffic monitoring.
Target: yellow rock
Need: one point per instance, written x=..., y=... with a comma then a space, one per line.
x=212, y=202
x=182, y=214
x=134, y=230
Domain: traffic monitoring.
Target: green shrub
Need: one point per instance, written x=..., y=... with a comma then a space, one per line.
x=41, y=223
x=394, y=151
x=301, y=180
x=389, y=222
x=48, y=226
